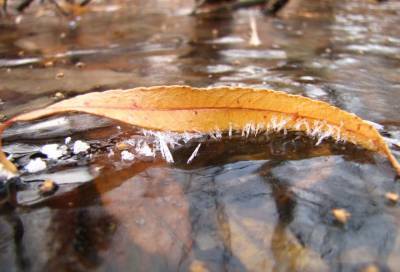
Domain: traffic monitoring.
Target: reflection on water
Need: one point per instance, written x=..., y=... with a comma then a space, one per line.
x=242, y=205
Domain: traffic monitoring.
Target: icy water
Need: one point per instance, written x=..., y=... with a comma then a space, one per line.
x=260, y=203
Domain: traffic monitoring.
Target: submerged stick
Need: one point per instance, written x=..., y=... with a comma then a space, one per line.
x=186, y=109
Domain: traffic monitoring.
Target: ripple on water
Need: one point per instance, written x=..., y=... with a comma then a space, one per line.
x=374, y=48
x=226, y=40
x=273, y=54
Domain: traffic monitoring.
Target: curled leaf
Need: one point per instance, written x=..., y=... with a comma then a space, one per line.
x=186, y=109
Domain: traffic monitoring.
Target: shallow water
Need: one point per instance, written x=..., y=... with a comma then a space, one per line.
x=252, y=204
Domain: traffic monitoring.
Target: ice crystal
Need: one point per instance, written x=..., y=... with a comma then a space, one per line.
x=164, y=143
x=165, y=152
x=194, y=154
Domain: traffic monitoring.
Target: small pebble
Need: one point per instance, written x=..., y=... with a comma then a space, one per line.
x=341, y=215
x=18, y=19
x=59, y=95
x=48, y=63
x=140, y=222
x=393, y=197
x=47, y=187
x=59, y=75
x=80, y=65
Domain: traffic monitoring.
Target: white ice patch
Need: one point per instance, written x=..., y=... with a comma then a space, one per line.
x=67, y=140
x=145, y=150
x=35, y=165
x=80, y=146
x=127, y=156
x=53, y=151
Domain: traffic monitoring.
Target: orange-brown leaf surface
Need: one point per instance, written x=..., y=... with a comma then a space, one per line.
x=185, y=109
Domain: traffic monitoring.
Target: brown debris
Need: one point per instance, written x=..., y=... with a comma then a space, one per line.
x=47, y=187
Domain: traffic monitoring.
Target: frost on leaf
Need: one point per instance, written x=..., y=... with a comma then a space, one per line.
x=214, y=112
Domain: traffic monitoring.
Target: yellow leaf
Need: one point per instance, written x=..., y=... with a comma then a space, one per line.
x=185, y=109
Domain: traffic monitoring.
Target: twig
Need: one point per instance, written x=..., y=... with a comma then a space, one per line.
x=228, y=6
x=5, y=6
x=84, y=3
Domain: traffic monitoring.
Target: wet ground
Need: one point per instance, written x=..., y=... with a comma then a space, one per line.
x=262, y=203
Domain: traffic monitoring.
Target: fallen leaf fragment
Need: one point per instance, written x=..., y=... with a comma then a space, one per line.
x=393, y=197
x=186, y=109
x=198, y=266
x=371, y=268
x=341, y=215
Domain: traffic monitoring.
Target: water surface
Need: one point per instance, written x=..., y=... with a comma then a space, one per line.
x=252, y=204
